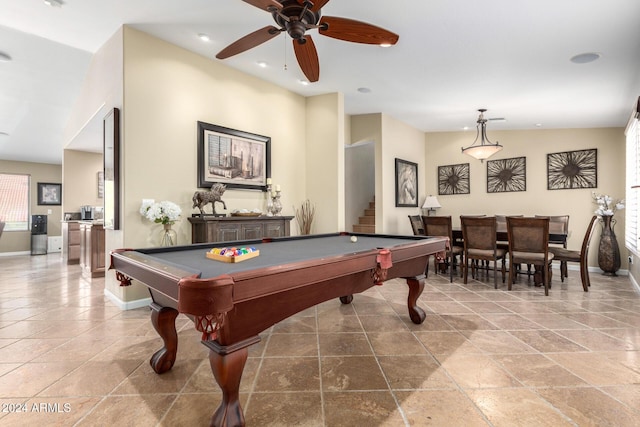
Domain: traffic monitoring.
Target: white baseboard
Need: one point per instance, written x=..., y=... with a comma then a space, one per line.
x=127, y=305
x=15, y=253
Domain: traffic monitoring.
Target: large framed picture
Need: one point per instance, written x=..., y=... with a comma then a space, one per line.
x=572, y=169
x=111, y=155
x=232, y=157
x=49, y=194
x=453, y=179
x=507, y=175
x=406, y=183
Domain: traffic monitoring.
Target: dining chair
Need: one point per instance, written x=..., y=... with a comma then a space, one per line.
x=442, y=226
x=416, y=225
x=479, y=235
x=581, y=256
x=529, y=244
x=558, y=225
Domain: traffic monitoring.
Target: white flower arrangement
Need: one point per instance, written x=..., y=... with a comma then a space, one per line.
x=606, y=205
x=164, y=212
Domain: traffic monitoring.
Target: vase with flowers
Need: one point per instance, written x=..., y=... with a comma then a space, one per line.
x=165, y=213
x=608, y=250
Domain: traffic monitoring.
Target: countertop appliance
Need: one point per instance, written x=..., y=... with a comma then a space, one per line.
x=86, y=213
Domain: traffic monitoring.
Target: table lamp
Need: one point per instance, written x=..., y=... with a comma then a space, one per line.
x=431, y=204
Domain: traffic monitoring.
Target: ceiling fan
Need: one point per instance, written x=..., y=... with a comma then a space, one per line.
x=295, y=17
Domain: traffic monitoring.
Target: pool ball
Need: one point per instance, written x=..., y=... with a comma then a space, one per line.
x=354, y=239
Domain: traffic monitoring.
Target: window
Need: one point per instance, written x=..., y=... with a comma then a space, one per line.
x=632, y=196
x=14, y=201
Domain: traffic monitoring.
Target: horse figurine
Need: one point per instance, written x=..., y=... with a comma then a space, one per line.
x=201, y=198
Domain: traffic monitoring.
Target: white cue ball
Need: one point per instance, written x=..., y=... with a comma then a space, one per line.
x=354, y=239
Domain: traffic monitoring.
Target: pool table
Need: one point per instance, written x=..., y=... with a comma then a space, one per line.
x=231, y=303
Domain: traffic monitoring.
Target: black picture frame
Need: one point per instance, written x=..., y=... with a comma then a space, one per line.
x=232, y=157
x=507, y=175
x=569, y=170
x=453, y=179
x=49, y=193
x=111, y=158
x=406, y=184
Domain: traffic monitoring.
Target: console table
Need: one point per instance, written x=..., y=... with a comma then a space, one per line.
x=221, y=229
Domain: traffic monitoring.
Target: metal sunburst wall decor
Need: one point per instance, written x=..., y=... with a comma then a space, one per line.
x=507, y=175
x=572, y=169
x=453, y=179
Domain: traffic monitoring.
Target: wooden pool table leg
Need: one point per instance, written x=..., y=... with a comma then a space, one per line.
x=416, y=286
x=227, y=364
x=163, y=320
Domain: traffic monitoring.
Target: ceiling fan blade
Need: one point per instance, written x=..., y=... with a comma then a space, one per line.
x=264, y=4
x=355, y=31
x=317, y=4
x=249, y=41
x=307, y=57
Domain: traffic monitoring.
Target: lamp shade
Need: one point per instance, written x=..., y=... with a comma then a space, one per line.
x=482, y=148
x=431, y=202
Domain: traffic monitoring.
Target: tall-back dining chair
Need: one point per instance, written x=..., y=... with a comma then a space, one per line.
x=442, y=226
x=529, y=244
x=581, y=256
x=479, y=235
x=416, y=225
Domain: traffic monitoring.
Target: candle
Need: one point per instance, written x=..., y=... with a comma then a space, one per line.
x=268, y=181
x=278, y=187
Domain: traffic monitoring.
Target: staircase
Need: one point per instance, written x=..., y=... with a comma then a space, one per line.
x=367, y=223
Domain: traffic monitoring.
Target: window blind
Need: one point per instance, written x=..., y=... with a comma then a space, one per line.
x=632, y=196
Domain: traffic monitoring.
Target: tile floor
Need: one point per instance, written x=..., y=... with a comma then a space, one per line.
x=483, y=357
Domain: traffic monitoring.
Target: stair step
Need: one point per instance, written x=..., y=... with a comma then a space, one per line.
x=367, y=220
x=370, y=212
x=359, y=228
x=372, y=205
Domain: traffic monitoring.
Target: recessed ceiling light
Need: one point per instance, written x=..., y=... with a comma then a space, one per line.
x=385, y=44
x=585, y=58
x=4, y=57
x=262, y=64
x=54, y=3
x=303, y=82
x=538, y=125
x=364, y=90
x=204, y=37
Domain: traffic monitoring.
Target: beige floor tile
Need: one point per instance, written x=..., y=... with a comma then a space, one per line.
x=414, y=372
x=596, y=368
x=468, y=322
x=546, y=341
x=145, y=381
x=590, y=407
x=595, y=340
x=536, y=370
x=285, y=409
x=351, y=373
x=497, y=342
x=437, y=408
x=517, y=407
x=627, y=394
x=384, y=343
x=373, y=408
x=292, y=345
x=447, y=342
x=29, y=379
x=477, y=371
x=139, y=411
x=94, y=378
x=288, y=373
x=355, y=344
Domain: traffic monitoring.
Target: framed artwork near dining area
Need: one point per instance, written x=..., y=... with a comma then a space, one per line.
x=572, y=169
x=453, y=179
x=507, y=175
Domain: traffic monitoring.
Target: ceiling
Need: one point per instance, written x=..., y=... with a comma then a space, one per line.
x=453, y=57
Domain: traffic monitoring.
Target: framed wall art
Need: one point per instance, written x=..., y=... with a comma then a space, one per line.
x=507, y=175
x=111, y=155
x=453, y=179
x=572, y=169
x=232, y=157
x=49, y=194
x=406, y=183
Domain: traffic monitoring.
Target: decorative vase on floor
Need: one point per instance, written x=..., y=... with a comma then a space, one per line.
x=169, y=236
x=608, y=250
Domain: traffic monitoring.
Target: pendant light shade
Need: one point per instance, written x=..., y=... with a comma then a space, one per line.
x=482, y=148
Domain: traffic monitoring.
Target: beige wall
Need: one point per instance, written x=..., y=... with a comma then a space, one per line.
x=444, y=149
x=20, y=241
x=80, y=179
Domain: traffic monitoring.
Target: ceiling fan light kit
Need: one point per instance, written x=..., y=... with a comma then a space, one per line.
x=296, y=17
x=485, y=148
